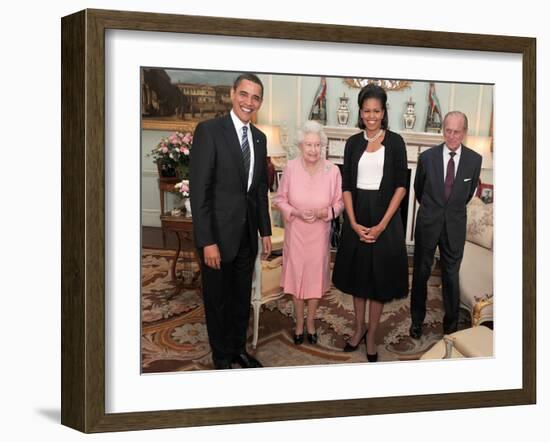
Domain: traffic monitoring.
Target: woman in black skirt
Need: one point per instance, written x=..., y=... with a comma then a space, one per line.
x=371, y=262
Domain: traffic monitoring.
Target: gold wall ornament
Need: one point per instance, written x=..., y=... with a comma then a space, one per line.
x=388, y=85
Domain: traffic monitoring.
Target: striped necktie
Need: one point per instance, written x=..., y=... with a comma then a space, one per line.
x=245, y=147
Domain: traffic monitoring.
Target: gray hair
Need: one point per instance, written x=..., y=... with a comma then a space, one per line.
x=456, y=114
x=312, y=127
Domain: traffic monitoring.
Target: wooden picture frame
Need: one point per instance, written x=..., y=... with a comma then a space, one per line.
x=84, y=231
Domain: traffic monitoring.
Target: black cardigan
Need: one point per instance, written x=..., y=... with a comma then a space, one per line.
x=395, y=165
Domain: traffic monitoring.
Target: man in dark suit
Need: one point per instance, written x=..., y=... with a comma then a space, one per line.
x=446, y=179
x=229, y=200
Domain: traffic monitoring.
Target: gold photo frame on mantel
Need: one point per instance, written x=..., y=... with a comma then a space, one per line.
x=87, y=404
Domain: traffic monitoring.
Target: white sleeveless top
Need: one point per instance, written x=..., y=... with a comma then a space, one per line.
x=371, y=169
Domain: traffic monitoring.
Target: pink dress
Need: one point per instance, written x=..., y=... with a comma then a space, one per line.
x=306, y=256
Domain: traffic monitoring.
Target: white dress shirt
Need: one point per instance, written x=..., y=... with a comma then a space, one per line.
x=447, y=157
x=239, y=128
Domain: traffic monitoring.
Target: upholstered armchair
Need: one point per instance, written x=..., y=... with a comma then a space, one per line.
x=277, y=233
x=476, y=270
x=474, y=342
x=267, y=274
x=265, y=287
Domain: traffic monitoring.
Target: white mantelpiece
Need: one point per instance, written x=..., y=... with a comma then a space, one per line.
x=416, y=142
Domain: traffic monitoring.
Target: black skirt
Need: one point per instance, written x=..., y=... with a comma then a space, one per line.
x=377, y=270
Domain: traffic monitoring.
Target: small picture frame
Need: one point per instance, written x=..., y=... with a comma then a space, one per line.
x=485, y=192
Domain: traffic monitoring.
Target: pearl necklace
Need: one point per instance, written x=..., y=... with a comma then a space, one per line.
x=373, y=139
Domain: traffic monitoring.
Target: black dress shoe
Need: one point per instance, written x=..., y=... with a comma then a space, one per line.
x=222, y=364
x=349, y=348
x=312, y=338
x=298, y=339
x=247, y=361
x=415, y=331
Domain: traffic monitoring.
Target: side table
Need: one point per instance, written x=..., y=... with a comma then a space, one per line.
x=166, y=184
x=183, y=228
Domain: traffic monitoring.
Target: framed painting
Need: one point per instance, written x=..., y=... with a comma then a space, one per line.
x=176, y=100
x=103, y=53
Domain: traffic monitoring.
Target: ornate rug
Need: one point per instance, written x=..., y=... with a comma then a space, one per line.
x=174, y=336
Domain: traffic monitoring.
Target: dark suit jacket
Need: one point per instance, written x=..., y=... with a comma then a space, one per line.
x=435, y=212
x=395, y=165
x=220, y=201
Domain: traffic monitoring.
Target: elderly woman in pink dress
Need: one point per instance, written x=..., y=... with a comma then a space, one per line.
x=309, y=196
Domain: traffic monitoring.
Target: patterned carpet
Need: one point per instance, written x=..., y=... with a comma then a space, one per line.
x=174, y=336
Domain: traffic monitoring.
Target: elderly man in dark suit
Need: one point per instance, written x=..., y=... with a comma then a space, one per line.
x=229, y=200
x=446, y=179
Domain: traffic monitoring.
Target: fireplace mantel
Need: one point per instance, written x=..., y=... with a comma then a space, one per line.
x=416, y=142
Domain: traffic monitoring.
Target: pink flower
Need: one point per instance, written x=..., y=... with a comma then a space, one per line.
x=187, y=138
x=185, y=151
x=164, y=149
x=183, y=187
x=174, y=139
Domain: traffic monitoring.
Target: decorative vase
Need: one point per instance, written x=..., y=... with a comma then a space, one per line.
x=342, y=113
x=187, y=205
x=409, y=117
x=166, y=170
x=318, y=110
x=434, y=117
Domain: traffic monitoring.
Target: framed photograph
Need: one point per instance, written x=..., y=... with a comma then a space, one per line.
x=103, y=388
x=487, y=195
x=174, y=328
x=485, y=191
x=336, y=149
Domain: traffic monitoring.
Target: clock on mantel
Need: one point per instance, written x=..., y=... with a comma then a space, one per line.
x=386, y=84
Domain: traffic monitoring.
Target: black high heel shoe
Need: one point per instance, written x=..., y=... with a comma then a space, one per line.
x=299, y=339
x=349, y=348
x=312, y=338
x=370, y=357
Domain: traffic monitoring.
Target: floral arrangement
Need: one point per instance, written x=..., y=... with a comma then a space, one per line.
x=182, y=188
x=172, y=154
